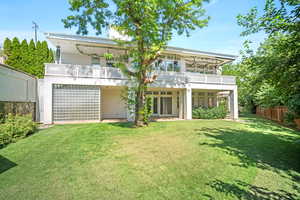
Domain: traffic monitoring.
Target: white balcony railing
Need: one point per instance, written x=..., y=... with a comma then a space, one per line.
x=87, y=71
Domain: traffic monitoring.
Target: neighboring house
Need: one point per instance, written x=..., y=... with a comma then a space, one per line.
x=18, y=92
x=83, y=86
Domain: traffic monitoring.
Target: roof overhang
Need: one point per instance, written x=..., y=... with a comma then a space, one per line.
x=71, y=43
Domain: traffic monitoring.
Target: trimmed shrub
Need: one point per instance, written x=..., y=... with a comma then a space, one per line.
x=16, y=127
x=219, y=112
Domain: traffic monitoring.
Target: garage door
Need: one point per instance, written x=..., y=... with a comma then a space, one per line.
x=76, y=102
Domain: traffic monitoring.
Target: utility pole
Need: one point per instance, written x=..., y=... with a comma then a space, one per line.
x=35, y=27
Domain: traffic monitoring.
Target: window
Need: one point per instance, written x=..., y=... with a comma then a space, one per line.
x=155, y=105
x=190, y=68
x=95, y=60
x=176, y=66
x=165, y=105
x=169, y=66
x=211, y=99
x=110, y=64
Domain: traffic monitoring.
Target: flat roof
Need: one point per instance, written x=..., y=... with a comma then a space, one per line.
x=106, y=41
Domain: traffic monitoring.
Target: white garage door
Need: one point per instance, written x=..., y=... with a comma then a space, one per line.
x=76, y=102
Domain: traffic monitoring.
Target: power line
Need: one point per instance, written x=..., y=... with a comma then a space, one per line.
x=35, y=27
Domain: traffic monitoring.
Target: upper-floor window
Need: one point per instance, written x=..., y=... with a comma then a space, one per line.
x=95, y=60
x=110, y=62
x=202, y=69
x=166, y=65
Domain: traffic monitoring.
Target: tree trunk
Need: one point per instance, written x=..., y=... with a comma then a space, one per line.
x=139, y=106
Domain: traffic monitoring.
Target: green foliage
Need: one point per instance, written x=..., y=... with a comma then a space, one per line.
x=150, y=24
x=28, y=58
x=219, y=112
x=16, y=127
x=147, y=109
x=271, y=76
x=268, y=96
x=294, y=104
x=288, y=119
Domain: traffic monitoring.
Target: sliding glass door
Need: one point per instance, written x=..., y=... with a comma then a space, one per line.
x=166, y=105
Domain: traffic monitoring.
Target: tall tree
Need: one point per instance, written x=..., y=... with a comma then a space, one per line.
x=7, y=49
x=277, y=62
x=29, y=58
x=149, y=23
x=24, y=55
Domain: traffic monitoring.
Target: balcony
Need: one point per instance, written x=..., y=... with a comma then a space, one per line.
x=87, y=71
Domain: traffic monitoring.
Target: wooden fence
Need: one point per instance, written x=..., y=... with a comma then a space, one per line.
x=275, y=113
x=18, y=108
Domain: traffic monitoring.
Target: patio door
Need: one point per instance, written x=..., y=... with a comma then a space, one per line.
x=166, y=105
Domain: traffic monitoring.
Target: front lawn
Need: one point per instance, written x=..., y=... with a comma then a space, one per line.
x=199, y=159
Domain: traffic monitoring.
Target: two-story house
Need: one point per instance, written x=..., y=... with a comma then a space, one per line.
x=84, y=85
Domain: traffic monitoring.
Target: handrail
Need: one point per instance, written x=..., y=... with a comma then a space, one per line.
x=88, y=71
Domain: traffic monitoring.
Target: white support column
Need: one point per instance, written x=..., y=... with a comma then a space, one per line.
x=234, y=113
x=188, y=103
x=181, y=104
x=47, y=95
x=182, y=63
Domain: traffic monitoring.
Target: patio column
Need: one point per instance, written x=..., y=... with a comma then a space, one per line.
x=234, y=113
x=188, y=104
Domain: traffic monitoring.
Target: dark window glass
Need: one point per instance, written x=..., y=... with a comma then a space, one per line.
x=155, y=108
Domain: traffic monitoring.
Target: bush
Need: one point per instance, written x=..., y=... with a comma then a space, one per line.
x=210, y=113
x=288, y=119
x=16, y=127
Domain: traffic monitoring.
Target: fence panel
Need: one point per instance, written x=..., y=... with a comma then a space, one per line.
x=276, y=113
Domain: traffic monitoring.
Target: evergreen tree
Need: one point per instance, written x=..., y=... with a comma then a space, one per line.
x=24, y=55
x=30, y=57
x=7, y=49
x=37, y=59
x=15, y=57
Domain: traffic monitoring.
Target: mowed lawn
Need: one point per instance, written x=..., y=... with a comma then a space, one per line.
x=198, y=159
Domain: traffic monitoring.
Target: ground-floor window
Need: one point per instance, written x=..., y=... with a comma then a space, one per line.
x=164, y=103
x=204, y=99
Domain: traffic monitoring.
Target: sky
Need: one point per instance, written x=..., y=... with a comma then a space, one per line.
x=222, y=35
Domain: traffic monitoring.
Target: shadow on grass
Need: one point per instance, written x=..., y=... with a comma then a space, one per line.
x=263, y=150
x=122, y=124
x=6, y=164
x=242, y=190
x=255, y=121
x=275, y=152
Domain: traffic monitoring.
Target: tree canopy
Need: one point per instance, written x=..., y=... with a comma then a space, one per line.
x=149, y=23
x=271, y=75
x=29, y=58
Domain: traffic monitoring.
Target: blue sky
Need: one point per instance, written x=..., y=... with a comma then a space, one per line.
x=222, y=34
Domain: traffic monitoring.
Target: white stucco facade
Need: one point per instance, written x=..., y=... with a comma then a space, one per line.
x=172, y=92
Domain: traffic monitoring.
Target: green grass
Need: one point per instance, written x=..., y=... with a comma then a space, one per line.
x=199, y=159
